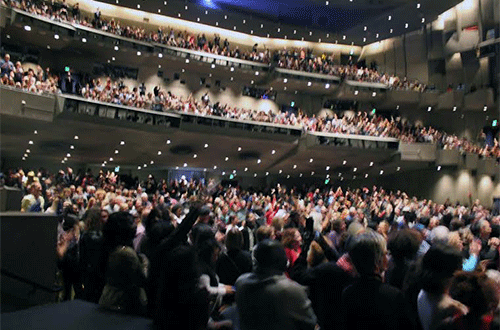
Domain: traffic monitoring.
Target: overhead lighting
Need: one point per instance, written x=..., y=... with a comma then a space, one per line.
x=72, y=147
x=27, y=28
x=273, y=152
x=294, y=31
x=371, y=163
x=159, y=152
x=213, y=66
x=364, y=39
x=381, y=172
x=355, y=169
x=25, y=155
x=187, y=60
x=160, y=55
x=279, y=29
x=328, y=168
x=239, y=148
x=138, y=167
x=234, y=28
x=256, y=73
x=309, y=83
x=116, y=151
x=76, y=137
x=28, y=151
x=159, y=10
x=288, y=176
x=391, y=30
x=251, y=31
x=197, y=19
x=406, y=25
x=300, y=175
x=232, y=69
x=429, y=109
x=312, y=173
x=185, y=165
x=111, y=159
x=113, y=58
x=244, y=21
x=418, y=5
x=374, y=94
x=267, y=173
x=327, y=86
x=168, y=141
x=389, y=18
x=294, y=166
x=139, y=53
x=423, y=19
x=485, y=108
x=327, y=3
x=206, y=145
x=195, y=156
x=262, y=26
x=439, y=168
x=259, y=161
x=255, y=175
x=343, y=37
x=30, y=142
x=377, y=35
x=117, y=48
x=226, y=159
x=145, y=165
x=285, y=80
x=215, y=167
x=138, y=6
x=56, y=36
x=454, y=108
x=122, y=143
x=311, y=160
x=280, y=171
x=246, y=169
x=356, y=92
x=366, y=175
x=186, y=7
x=84, y=40
x=344, y=162
x=35, y=132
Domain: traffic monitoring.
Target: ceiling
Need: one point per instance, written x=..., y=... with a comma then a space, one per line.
x=151, y=149
x=313, y=20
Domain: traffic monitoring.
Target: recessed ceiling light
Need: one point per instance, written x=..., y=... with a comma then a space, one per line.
x=206, y=12
x=198, y=19
x=374, y=94
x=439, y=168
x=356, y=92
x=406, y=25
x=429, y=109
x=84, y=40
x=288, y=176
x=454, y=108
x=25, y=155
x=139, y=53
x=138, y=167
x=27, y=28
x=138, y=6
x=152, y=162
x=239, y=148
x=485, y=108
x=116, y=48
x=159, y=152
x=262, y=26
x=344, y=162
x=234, y=28
x=364, y=39
x=206, y=145
x=280, y=171
x=284, y=88
x=294, y=31
x=185, y=165
x=366, y=175
x=30, y=142
x=256, y=73
x=327, y=3
x=159, y=10
x=310, y=33
x=279, y=29
x=327, y=86
x=72, y=147
x=355, y=169
x=255, y=175
x=343, y=37
x=213, y=66
x=309, y=83
x=423, y=19
x=56, y=36
x=273, y=152
x=246, y=169
x=244, y=21
x=179, y=15
x=226, y=159
x=312, y=173
x=267, y=173
x=195, y=156
x=251, y=31
x=186, y=7
x=294, y=166
x=215, y=167
x=76, y=137
x=216, y=23
x=377, y=35
x=418, y=5
x=111, y=159
x=24, y=158
x=381, y=172
x=300, y=175
x=232, y=78
x=371, y=163
x=160, y=55
x=311, y=160
x=122, y=143
x=168, y=141
x=259, y=161
x=365, y=28
x=231, y=69
x=35, y=132
x=145, y=165
x=389, y=18
x=116, y=151
x=28, y=151
x=391, y=30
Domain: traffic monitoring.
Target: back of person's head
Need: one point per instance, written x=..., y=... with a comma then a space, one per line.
x=93, y=219
x=367, y=252
x=119, y=229
x=438, y=266
x=270, y=257
x=476, y=291
x=315, y=255
x=439, y=235
x=264, y=232
x=288, y=238
x=206, y=251
x=234, y=239
x=69, y=221
x=159, y=231
x=124, y=268
x=404, y=244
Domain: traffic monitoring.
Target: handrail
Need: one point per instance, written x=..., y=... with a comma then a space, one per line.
x=119, y=106
x=35, y=285
x=308, y=74
x=355, y=137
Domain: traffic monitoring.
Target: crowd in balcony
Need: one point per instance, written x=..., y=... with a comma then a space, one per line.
x=181, y=253
x=294, y=59
x=111, y=91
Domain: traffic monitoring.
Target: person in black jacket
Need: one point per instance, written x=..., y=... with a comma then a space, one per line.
x=235, y=261
x=369, y=303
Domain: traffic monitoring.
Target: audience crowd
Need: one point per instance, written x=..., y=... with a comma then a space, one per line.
x=195, y=256
x=293, y=59
x=44, y=81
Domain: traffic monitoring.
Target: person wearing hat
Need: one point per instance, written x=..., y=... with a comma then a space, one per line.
x=267, y=299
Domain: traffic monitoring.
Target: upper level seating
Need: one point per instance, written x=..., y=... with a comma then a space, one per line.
x=293, y=59
x=116, y=92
